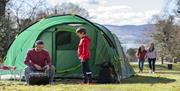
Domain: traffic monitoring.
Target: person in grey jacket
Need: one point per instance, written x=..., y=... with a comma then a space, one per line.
x=151, y=55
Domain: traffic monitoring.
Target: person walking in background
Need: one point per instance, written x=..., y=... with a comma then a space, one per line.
x=141, y=55
x=151, y=55
x=84, y=53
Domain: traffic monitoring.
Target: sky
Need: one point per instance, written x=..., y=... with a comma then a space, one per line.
x=118, y=12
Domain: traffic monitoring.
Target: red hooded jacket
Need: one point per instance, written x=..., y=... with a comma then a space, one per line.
x=84, y=49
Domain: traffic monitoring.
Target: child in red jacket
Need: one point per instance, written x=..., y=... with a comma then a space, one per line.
x=84, y=53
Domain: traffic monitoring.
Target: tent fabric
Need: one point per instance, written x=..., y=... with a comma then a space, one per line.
x=58, y=34
x=125, y=70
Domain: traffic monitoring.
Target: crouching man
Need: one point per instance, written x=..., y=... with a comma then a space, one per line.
x=38, y=60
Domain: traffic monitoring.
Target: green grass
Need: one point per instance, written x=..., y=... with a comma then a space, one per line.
x=163, y=80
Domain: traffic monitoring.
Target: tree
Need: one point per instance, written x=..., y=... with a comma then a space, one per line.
x=167, y=37
x=172, y=7
x=70, y=8
x=26, y=12
x=131, y=54
x=177, y=10
x=167, y=34
x=38, y=9
x=3, y=7
x=64, y=8
x=21, y=13
x=4, y=21
x=3, y=4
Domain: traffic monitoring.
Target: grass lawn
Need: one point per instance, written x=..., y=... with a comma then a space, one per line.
x=162, y=80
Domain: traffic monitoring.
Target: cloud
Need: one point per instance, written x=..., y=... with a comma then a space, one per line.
x=104, y=13
x=120, y=15
x=93, y=2
x=55, y=2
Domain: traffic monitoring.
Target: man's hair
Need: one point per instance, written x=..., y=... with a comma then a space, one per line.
x=81, y=30
x=39, y=42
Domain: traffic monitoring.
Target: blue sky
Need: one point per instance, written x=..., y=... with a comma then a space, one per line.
x=119, y=12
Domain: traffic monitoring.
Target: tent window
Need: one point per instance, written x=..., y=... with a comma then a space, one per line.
x=60, y=38
x=66, y=40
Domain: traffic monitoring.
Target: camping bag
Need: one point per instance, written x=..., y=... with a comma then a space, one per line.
x=38, y=78
x=106, y=75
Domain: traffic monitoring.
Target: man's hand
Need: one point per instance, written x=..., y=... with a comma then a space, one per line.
x=37, y=67
x=46, y=67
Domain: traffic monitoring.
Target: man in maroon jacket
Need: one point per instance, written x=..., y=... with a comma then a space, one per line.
x=84, y=53
x=38, y=60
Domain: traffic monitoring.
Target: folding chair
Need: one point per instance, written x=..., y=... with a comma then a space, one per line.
x=10, y=69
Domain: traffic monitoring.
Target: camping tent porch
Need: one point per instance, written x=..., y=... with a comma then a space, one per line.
x=62, y=42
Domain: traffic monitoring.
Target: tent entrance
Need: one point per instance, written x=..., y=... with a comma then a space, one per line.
x=66, y=51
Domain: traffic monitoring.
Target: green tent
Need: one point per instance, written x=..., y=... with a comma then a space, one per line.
x=58, y=34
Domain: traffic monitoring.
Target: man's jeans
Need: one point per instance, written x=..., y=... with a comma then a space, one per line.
x=29, y=70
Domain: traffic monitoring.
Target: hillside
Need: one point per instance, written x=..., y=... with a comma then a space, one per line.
x=131, y=36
